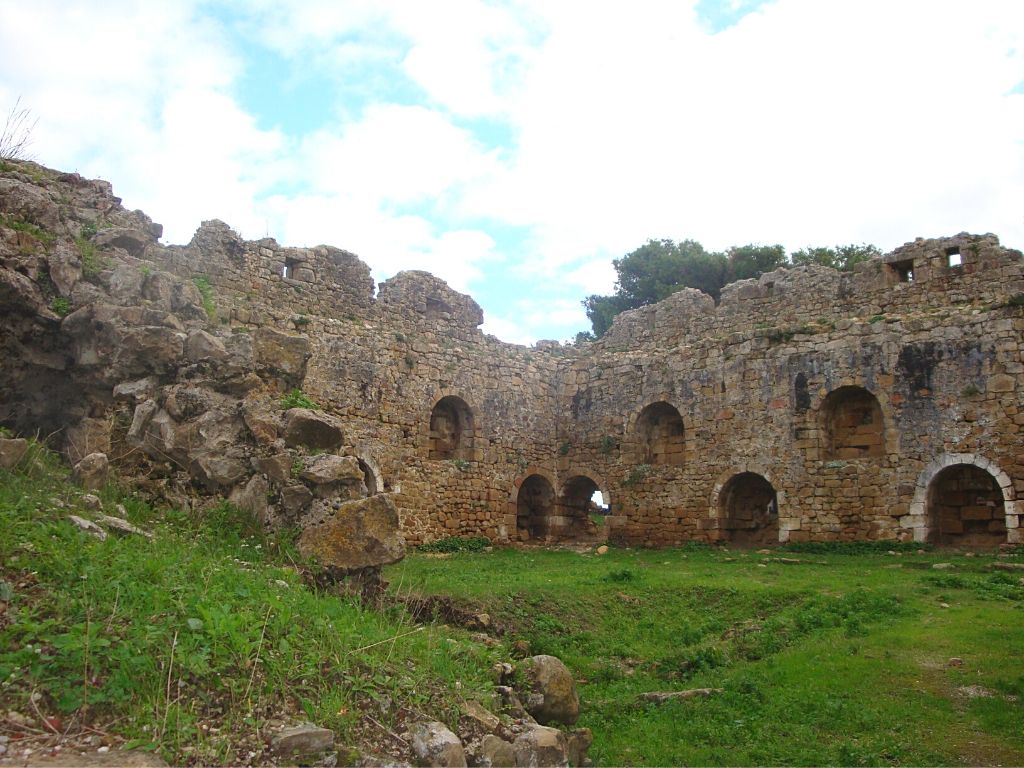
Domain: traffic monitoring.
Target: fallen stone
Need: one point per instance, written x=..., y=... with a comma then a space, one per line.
x=435, y=745
x=955, y=662
x=278, y=468
x=328, y=468
x=89, y=527
x=295, y=498
x=942, y=566
x=551, y=695
x=660, y=697
x=91, y=501
x=201, y=345
x=360, y=534
x=12, y=450
x=477, y=718
x=91, y=472
x=493, y=752
x=312, y=429
x=252, y=497
x=217, y=472
x=1007, y=566
x=302, y=740
x=121, y=526
x=540, y=746
x=602, y=550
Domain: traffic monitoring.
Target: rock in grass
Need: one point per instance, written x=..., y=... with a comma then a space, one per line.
x=435, y=745
x=302, y=740
x=541, y=746
x=493, y=752
x=91, y=471
x=577, y=743
x=118, y=525
x=12, y=450
x=89, y=527
x=552, y=696
x=361, y=534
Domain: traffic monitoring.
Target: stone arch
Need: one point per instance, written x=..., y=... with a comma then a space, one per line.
x=746, y=506
x=572, y=521
x=852, y=424
x=660, y=435
x=451, y=429
x=970, y=477
x=535, y=506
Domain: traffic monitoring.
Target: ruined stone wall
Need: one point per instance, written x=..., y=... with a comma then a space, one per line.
x=808, y=405
x=751, y=378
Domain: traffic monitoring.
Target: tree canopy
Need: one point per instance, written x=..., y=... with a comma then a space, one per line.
x=659, y=268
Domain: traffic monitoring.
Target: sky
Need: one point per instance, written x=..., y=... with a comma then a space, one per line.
x=515, y=148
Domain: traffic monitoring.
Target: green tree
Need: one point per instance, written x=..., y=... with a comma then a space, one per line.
x=749, y=261
x=842, y=257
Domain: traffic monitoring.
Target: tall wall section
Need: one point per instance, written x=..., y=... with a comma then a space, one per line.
x=814, y=405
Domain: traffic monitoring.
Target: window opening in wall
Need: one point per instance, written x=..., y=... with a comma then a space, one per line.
x=953, y=258
x=535, y=504
x=904, y=270
x=659, y=430
x=966, y=508
x=853, y=424
x=451, y=428
x=288, y=270
x=748, y=511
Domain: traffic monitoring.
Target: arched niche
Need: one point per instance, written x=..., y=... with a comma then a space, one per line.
x=451, y=429
x=852, y=425
x=574, y=507
x=966, y=508
x=748, y=511
x=660, y=435
x=535, y=504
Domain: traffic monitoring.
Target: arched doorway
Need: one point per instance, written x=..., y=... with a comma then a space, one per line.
x=659, y=431
x=451, y=429
x=966, y=508
x=852, y=424
x=577, y=513
x=748, y=511
x=535, y=504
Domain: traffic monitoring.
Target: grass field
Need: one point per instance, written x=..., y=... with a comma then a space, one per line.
x=196, y=642
x=834, y=659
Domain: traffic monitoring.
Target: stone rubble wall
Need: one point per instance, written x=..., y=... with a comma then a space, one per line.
x=941, y=353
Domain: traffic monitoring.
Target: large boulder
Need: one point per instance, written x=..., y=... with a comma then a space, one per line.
x=550, y=695
x=312, y=429
x=327, y=468
x=435, y=745
x=360, y=534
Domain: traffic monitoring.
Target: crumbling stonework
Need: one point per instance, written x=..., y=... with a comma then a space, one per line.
x=808, y=405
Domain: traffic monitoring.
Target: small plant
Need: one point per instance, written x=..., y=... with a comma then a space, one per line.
x=298, y=399
x=1017, y=300
x=410, y=361
x=969, y=391
x=400, y=337
x=202, y=283
x=621, y=576
x=640, y=471
x=88, y=230
x=564, y=448
x=60, y=306
x=296, y=468
x=20, y=225
x=146, y=270
x=607, y=444
x=300, y=320
x=460, y=464
x=16, y=135
x=875, y=318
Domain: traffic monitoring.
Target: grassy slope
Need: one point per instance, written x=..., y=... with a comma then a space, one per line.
x=840, y=659
x=190, y=642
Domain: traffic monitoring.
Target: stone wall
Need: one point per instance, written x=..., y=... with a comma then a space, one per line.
x=808, y=405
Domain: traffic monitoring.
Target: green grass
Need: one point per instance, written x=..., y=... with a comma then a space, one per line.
x=189, y=642
x=838, y=659
x=202, y=283
x=296, y=398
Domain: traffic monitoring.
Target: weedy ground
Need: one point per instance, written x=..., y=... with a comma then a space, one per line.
x=197, y=642
x=836, y=655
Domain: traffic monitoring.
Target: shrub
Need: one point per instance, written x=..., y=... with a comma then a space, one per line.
x=456, y=544
x=298, y=399
x=202, y=282
x=60, y=306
